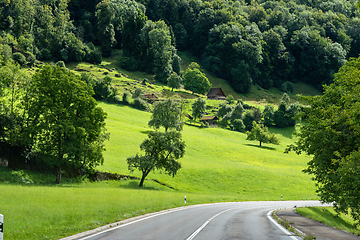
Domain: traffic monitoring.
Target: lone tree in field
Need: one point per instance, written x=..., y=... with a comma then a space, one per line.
x=64, y=122
x=166, y=114
x=261, y=134
x=331, y=136
x=162, y=151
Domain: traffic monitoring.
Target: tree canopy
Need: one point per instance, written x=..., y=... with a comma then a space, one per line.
x=331, y=136
x=196, y=81
x=166, y=114
x=64, y=122
x=162, y=151
x=261, y=133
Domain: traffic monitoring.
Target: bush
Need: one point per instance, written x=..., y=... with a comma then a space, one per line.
x=31, y=60
x=19, y=58
x=60, y=64
x=140, y=104
x=46, y=54
x=93, y=57
x=287, y=87
x=238, y=125
x=129, y=63
x=125, y=97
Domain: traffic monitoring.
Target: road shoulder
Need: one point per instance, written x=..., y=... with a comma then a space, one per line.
x=310, y=227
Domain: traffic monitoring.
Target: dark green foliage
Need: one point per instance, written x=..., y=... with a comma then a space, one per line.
x=105, y=33
x=268, y=115
x=238, y=125
x=93, y=57
x=125, y=98
x=129, y=63
x=331, y=137
x=176, y=64
x=31, y=60
x=19, y=58
x=284, y=116
x=224, y=109
x=287, y=87
x=248, y=120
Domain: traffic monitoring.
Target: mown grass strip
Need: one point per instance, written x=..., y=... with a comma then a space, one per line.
x=328, y=216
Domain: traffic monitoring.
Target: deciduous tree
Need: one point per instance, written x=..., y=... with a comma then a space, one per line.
x=261, y=133
x=162, y=151
x=331, y=136
x=65, y=125
x=196, y=81
x=166, y=114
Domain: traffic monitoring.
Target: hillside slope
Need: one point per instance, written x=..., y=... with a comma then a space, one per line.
x=216, y=160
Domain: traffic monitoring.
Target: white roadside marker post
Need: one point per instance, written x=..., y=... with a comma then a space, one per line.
x=184, y=199
x=1, y=227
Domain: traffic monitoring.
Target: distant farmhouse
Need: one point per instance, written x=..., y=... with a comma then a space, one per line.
x=216, y=94
x=211, y=120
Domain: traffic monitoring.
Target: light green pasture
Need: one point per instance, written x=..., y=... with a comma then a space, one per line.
x=219, y=165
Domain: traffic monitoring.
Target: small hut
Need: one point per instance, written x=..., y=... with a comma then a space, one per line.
x=216, y=94
x=211, y=120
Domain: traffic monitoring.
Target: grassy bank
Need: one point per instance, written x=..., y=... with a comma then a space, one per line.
x=219, y=165
x=328, y=216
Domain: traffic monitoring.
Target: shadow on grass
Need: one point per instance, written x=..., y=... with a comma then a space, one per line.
x=338, y=221
x=287, y=132
x=146, y=132
x=262, y=147
x=135, y=185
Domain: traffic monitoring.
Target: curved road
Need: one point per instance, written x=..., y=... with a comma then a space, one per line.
x=238, y=220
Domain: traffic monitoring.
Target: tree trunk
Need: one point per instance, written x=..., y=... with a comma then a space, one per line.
x=144, y=175
x=260, y=143
x=142, y=180
x=58, y=175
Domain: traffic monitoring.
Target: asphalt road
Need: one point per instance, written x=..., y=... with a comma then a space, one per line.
x=242, y=220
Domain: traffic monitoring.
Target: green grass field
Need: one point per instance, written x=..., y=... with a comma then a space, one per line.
x=219, y=165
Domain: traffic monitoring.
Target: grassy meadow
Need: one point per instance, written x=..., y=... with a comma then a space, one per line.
x=219, y=165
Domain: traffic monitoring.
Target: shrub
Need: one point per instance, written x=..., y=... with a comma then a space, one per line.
x=19, y=58
x=287, y=87
x=125, y=97
x=140, y=104
x=129, y=63
x=31, y=60
x=238, y=125
x=60, y=64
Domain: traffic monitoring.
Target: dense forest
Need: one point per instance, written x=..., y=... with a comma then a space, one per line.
x=267, y=43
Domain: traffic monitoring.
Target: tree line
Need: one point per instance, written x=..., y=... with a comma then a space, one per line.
x=268, y=43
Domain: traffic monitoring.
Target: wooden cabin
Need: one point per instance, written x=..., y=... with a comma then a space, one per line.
x=211, y=120
x=216, y=94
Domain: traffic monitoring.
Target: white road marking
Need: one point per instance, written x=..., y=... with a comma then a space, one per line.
x=281, y=227
x=206, y=223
